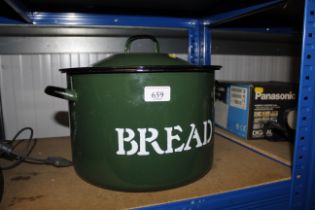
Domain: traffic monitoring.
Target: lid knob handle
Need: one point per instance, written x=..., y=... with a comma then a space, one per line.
x=136, y=37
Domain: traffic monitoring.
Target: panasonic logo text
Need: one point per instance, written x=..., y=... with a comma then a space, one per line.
x=275, y=96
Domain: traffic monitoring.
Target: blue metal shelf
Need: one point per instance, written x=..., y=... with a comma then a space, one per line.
x=273, y=196
x=303, y=182
x=298, y=193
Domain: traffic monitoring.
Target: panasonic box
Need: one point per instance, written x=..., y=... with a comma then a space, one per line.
x=256, y=110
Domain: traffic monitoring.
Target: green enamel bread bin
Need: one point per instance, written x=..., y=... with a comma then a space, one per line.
x=140, y=121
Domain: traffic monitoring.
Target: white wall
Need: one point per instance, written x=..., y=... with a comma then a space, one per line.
x=23, y=80
x=257, y=68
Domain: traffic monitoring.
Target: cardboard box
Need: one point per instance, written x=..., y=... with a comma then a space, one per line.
x=256, y=110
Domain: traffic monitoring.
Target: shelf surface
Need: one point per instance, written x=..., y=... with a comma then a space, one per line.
x=281, y=151
x=45, y=187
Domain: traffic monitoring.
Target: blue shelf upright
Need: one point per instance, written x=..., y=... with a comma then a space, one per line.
x=303, y=177
x=199, y=44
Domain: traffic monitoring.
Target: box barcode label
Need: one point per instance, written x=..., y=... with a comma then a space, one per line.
x=238, y=97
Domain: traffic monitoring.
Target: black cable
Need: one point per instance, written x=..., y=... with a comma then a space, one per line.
x=8, y=149
x=27, y=150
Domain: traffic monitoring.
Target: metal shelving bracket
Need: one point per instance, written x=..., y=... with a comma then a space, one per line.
x=303, y=177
